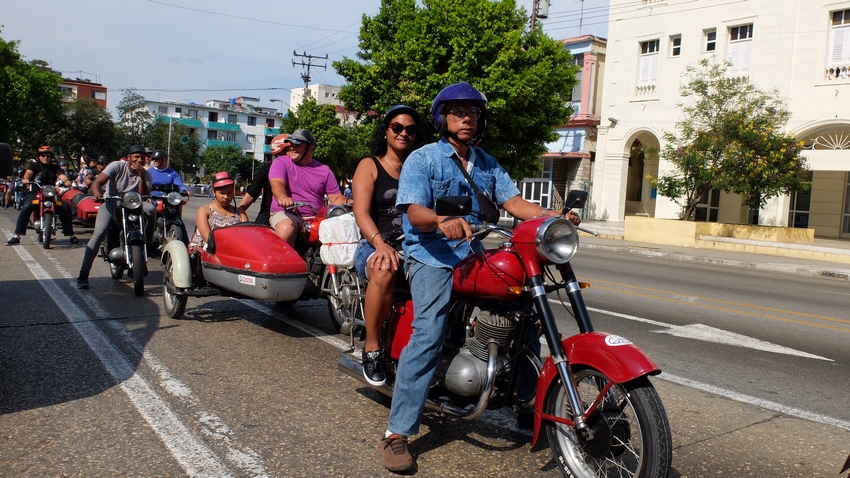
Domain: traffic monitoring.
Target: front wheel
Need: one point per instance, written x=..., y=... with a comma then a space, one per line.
x=138, y=254
x=630, y=432
x=47, y=220
x=176, y=232
x=175, y=305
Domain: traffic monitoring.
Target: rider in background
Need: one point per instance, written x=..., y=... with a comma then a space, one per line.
x=161, y=173
x=119, y=177
x=375, y=187
x=219, y=213
x=260, y=184
x=299, y=178
x=46, y=173
x=459, y=113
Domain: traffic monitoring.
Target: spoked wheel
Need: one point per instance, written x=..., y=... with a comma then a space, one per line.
x=138, y=272
x=47, y=220
x=630, y=432
x=175, y=305
x=345, y=307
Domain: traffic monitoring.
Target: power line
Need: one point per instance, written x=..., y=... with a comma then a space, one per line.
x=200, y=90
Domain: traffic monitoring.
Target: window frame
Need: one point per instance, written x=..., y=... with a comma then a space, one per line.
x=840, y=32
x=740, y=49
x=675, y=49
x=649, y=65
x=708, y=41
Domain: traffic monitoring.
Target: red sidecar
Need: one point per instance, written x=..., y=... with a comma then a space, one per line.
x=243, y=260
x=83, y=207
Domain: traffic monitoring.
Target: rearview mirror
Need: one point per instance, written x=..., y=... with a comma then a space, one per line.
x=576, y=199
x=454, y=206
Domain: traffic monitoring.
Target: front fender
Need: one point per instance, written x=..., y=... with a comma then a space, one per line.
x=135, y=237
x=181, y=267
x=617, y=358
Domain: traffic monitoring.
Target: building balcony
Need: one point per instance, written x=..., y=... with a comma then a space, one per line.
x=837, y=72
x=267, y=149
x=215, y=125
x=272, y=131
x=646, y=91
x=188, y=122
x=220, y=142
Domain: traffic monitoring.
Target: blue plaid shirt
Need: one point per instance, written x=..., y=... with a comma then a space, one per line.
x=430, y=172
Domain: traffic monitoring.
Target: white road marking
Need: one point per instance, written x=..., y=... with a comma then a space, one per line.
x=706, y=333
x=833, y=292
x=192, y=454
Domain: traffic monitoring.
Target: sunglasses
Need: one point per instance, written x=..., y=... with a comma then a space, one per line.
x=43, y=155
x=397, y=128
x=460, y=112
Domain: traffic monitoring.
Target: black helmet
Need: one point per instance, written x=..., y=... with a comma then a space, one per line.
x=159, y=154
x=462, y=91
x=102, y=159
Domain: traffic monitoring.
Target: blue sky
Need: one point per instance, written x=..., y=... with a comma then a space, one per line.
x=224, y=48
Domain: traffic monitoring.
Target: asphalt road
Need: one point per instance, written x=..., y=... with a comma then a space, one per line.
x=102, y=383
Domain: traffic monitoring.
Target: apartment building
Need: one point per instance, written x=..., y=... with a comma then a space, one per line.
x=801, y=48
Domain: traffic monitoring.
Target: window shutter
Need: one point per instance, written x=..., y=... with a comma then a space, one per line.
x=838, y=45
x=648, y=69
x=739, y=55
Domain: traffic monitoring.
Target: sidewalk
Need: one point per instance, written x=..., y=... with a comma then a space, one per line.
x=835, y=253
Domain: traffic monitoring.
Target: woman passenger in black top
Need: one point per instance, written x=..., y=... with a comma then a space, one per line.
x=374, y=189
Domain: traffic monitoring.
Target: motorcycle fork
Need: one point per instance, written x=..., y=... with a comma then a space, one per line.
x=556, y=349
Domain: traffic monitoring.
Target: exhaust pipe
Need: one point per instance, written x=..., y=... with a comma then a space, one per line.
x=354, y=369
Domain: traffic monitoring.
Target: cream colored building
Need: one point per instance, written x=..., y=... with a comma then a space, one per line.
x=801, y=48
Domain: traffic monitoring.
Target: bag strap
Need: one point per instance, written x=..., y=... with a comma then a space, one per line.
x=459, y=164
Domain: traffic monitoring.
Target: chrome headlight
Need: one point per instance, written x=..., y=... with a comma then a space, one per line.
x=557, y=240
x=174, y=198
x=48, y=191
x=132, y=200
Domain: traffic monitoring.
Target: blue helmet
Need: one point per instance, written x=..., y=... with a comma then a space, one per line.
x=399, y=110
x=462, y=91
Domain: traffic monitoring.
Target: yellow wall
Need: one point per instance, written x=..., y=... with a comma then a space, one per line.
x=827, y=200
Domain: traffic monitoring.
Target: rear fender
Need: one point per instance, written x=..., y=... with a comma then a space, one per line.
x=614, y=356
x=181, y=268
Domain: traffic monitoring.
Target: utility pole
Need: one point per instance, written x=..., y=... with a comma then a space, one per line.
x=309, y=64
x=539, y=9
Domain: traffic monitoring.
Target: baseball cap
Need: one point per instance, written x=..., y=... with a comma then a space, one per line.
x=301, y=136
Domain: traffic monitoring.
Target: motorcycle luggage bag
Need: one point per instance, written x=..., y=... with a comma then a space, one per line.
x=339, y=236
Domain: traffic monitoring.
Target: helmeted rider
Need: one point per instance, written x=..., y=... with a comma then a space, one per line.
x=45, y=172
x=161, y=173
x=260, y=185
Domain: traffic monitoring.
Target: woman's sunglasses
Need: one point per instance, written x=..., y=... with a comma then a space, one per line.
x=397, y=128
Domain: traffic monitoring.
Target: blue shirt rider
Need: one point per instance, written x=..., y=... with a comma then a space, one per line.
x=161, y=173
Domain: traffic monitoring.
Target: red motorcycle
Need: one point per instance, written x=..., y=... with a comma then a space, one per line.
x=83, y=207
x=593, y=402
x=43, y=219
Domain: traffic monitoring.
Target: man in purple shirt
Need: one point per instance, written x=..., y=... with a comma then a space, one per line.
x=299, y=178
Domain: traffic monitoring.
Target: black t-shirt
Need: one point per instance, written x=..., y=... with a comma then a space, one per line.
x=383, y=210
x=46, y=174
x=261, y=185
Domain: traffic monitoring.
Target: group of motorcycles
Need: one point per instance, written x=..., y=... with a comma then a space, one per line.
x=591, y=398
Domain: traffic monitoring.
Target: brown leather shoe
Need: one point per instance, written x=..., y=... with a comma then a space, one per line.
x=394, y=453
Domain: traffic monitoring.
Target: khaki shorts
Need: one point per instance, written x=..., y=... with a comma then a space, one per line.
x=278, y=216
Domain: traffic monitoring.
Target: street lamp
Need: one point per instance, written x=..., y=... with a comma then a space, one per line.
x=273, y=100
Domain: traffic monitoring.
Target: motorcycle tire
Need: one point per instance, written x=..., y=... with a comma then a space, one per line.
x=632, y=436
x=175, y=305
x=344, y=308
x=48, y=229
x=138, y=261
x=175, y=232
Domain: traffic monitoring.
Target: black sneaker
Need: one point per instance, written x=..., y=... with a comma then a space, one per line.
x=74, y=241
x=13, y=241
x=82, y=282
x=374, y=368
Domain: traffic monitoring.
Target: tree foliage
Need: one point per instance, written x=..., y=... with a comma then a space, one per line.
x=730, y=139
x=134, y=119
x=84, y=124
x=340, y=146
x=29, y=99
x=228, y=158
x=410, y=50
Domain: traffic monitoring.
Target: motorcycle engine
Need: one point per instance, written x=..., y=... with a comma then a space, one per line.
x=465, y=372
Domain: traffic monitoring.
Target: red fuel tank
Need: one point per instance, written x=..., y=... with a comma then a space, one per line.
x=490, y=275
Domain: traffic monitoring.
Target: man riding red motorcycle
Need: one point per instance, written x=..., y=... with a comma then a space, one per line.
x=43, y=172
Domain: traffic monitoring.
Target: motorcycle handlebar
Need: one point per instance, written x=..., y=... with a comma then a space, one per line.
x=475, y=228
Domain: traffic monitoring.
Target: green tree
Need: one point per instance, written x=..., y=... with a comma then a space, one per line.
x=339, y=146
x=29, y=99
x=134, y=120
x=84, y=124
x=410, y=50
x=228, y=158
x=185, y=144
x=731, y=140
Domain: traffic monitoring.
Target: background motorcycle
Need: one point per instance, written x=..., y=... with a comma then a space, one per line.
x=169, y=224
x=593, y=402
x=124, y=247
x=43, y=219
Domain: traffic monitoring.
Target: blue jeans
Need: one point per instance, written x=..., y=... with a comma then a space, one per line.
x=431, y=289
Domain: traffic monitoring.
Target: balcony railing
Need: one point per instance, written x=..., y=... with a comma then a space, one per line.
x=648, y=90
x=838, y=72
